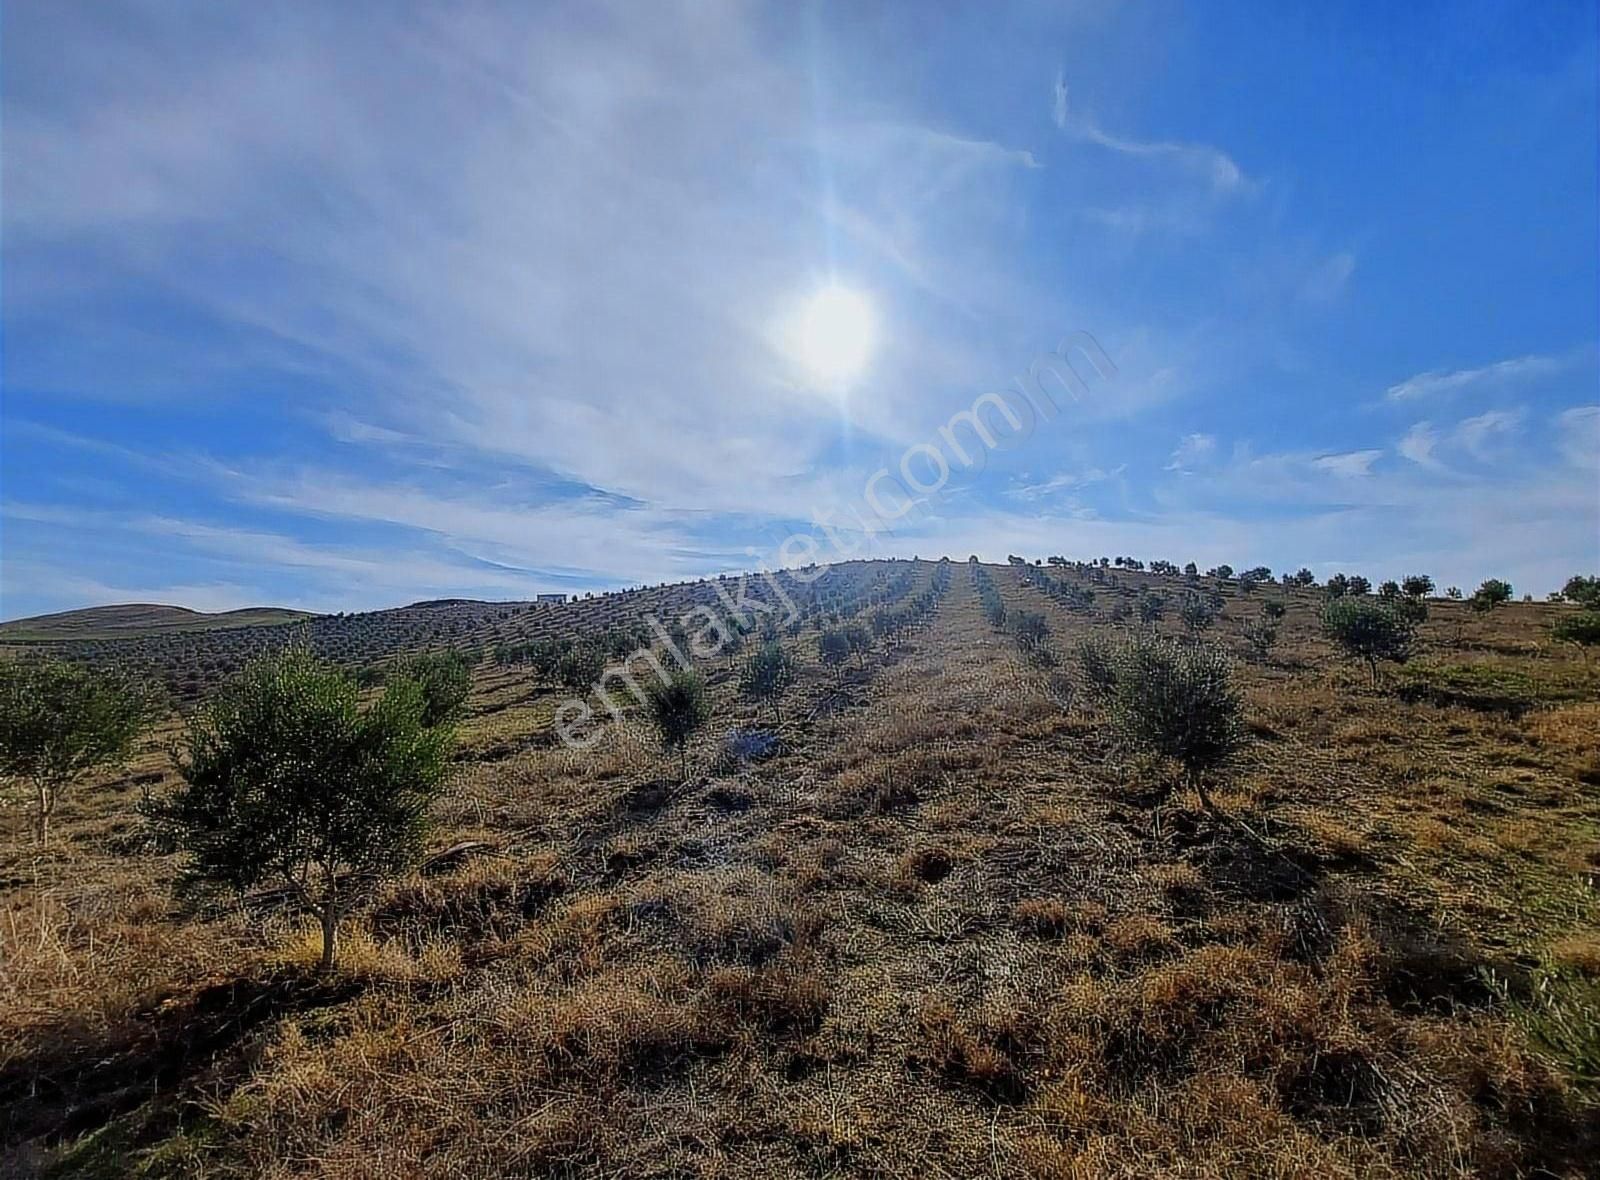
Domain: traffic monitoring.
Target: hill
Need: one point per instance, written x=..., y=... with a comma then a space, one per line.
x=135, y=619
x=937, y=925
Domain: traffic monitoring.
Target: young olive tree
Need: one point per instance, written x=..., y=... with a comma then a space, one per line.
x=1177, y=700
x=58, y=722
x=767, y=675
x=1490, y=595
x=679, y=709
x=288, y=779
x=833, y=648
x=445, y=679
x=1368, y=630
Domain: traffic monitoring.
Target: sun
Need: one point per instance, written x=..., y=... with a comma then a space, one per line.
x=836, y=333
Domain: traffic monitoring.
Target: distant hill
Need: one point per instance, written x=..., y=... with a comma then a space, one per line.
x=133, y=619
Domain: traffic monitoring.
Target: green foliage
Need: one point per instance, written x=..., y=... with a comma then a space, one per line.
x=1581, y=628
x=580, y=667
x=1261, y=635
x=679, y=709
x=767, y=675
x=1098, y=662
x=289, y=780
x=1177, y=700
x=1151, y=607
x=1490, y=595
x=833, y=647
x=859, y=638
x=1273, y=609
x=1030, y=629
x=1197, y=612
x=1369, y=630
x=445, y=679
x=1417, y=585
x=58, y=722
x=1583, y=590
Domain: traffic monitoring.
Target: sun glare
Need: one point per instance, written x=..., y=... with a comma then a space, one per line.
x=836, y=334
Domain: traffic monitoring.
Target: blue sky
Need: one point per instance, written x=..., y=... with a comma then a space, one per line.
x=342, y=306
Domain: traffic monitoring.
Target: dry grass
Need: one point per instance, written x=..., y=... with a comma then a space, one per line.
x=936, y=935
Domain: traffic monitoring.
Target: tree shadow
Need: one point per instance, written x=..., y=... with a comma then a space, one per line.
x=79, y=1080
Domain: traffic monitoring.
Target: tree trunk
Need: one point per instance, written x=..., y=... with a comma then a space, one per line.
x=1200, y=790
x=683, y=760
x=41, y=828
x=330, y=936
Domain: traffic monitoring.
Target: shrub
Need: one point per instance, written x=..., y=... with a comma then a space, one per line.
x=1417, y=585
x=768, y=674
x=1030, y=629
x=288, y=779
x=1273, y=609
x=1368, y=630
x=1585, y=591
x=1582, y=628
x=1151, y=607
x=859, y=639
x=679, y=709
x=60, y=721
x=581, y=667
x=1490, y=595
x=1261, y=636
x=833, y=648
x=1097, y=660
x=445, y=680
x=1177, y=700
x=1197, y=613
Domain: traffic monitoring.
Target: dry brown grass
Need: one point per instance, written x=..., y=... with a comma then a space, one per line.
x=936, y=935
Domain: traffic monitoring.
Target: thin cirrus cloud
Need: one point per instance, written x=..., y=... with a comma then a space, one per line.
x=1498, y=376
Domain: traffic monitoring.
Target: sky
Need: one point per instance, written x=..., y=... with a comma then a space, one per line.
x=343, y=306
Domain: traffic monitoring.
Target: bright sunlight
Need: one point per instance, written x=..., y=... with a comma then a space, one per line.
x=836, y=333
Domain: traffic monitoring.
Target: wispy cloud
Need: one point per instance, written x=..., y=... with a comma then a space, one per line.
x=1195, y=450
x=1348, y=464
x=1498, y=376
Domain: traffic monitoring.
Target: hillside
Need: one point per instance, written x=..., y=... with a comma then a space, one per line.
x=137, y=619
x=940, y=930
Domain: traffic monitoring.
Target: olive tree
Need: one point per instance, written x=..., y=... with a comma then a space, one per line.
x=767, y=675
x=833, y=648
x=1177, y=701
x=445, y=679
x=1490, y=595
x=290, y=780
x=1368, y=630
x=679, y=709
x=59, y=722
x=1583, y=590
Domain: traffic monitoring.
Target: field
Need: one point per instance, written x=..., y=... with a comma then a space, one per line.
x=939, y=929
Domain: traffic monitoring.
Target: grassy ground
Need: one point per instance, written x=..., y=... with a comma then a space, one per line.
x=937, y=935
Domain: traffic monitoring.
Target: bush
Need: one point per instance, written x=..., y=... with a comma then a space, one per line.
x=580, y=667
x=1585, y=591
x=288, y=779
x=768, y=674
x=859, y=639
x=445, y=680
x=833, y=648
x=1098, y=662
x=1030, y=629
x=1177, y=700
x=1582, y=628
x=1490, y=595
x=1261, y=636
x=1368, y=630
x=679, y=709
x=1417, y=585
x=1197, y=613
x=60, y=721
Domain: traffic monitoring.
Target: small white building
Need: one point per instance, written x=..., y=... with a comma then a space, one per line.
x=549, y=597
